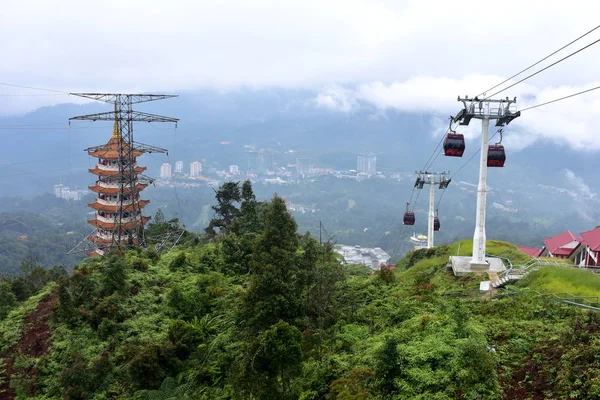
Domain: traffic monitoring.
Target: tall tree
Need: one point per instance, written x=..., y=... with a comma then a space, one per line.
x=275, y=291
x=228, y=196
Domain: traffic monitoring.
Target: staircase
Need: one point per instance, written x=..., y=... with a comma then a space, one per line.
x=516, y=272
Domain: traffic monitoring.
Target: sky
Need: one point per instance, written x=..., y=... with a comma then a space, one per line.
x=413, y=56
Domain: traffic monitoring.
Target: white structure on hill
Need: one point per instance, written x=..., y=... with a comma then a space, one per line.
x=370, y=257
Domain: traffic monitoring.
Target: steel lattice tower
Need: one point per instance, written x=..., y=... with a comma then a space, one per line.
x=126, y=181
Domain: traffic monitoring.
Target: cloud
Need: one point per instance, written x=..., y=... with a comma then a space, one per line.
x=336, y=98
x=579, y=184
x=407, y=55
x=570, y=122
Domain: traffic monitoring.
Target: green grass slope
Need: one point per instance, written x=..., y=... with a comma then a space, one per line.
x=578, y=282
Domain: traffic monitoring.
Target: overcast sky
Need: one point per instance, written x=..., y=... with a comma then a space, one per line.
x=404, y=55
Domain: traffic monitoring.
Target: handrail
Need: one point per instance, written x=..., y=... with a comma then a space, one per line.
x=571, y=299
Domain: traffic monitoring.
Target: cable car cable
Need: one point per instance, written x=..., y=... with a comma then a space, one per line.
x=543, y=59
x=541, y=70
x=561, y=98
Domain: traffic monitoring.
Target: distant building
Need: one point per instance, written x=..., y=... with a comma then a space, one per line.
x=370, y=257
x=367, y=163
x=166, y=171
x=255, y=160
x=64, y=192
x=58, y=189
x=303, y=166
x=234, y=170
x=195, y=168
x=178, y=166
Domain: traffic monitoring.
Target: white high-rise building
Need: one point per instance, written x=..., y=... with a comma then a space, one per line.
x=178, y=166
x=234, y=170
x=367, y=163
x=58, y=189
x=195, y=168
x=166, y=171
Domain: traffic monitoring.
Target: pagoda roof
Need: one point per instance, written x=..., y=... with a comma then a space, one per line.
x=110, y=150
x=101, y=189
x=105, y=172
x=104, y=207
x=112, y=225
x=109, y=153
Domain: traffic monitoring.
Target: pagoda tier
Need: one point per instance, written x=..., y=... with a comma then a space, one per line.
x=115, y=189
x=100, y=171
x=114, y=206
x=131, y=224
x=103, y=239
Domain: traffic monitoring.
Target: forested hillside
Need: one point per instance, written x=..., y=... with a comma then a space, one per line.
x=254, y=310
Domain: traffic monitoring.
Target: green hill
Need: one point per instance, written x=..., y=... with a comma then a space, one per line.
x=260, y=312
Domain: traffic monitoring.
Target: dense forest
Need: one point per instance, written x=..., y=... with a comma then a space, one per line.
x=254, y=310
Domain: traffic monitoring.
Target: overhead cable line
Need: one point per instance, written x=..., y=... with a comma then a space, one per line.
x=543, y=59
x=543, y=69
x=33, y=88
x=561, y=98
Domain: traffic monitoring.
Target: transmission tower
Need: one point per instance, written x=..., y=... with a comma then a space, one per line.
x=503, y=111
x=431, y=179
x=127, y=227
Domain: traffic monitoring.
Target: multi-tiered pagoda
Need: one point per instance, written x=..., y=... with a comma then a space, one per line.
x=118, y=218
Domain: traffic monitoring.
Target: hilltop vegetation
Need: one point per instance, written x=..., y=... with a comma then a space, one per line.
x=261, y=312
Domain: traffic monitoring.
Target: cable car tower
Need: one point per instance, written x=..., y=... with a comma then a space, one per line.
x=503, y=111
x=432, y=179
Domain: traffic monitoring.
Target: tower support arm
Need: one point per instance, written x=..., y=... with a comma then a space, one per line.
x=136, y=116
x=115, y=98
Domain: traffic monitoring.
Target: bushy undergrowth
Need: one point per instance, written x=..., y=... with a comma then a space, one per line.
x=263, y=313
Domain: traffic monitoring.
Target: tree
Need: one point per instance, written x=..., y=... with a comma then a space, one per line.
x=274, y=293
x=7, y=299
x=114, y=274
x=226, y=210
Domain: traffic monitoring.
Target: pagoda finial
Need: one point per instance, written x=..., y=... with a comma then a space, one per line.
x=116, y=134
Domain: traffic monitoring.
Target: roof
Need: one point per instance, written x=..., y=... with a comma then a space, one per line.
x=563, y=244
x=592, y=238
x=532, y=251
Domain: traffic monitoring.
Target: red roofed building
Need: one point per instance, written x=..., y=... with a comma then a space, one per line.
x=532, y=251
x=561, y=246
x=589, y=253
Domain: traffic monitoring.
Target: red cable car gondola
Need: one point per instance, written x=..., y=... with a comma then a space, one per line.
x=409, y=216
x=496, y=154
x=454, y=143
x=436, y=224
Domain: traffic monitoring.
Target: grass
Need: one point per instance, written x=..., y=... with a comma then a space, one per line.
x=576, y=281
x=494, y=247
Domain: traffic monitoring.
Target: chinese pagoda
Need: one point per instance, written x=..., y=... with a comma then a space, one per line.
x=118, y=219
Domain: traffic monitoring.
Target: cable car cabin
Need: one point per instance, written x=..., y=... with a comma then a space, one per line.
x=454, y=145
x=496, y=156
x=436, y=224
x=409, y=218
